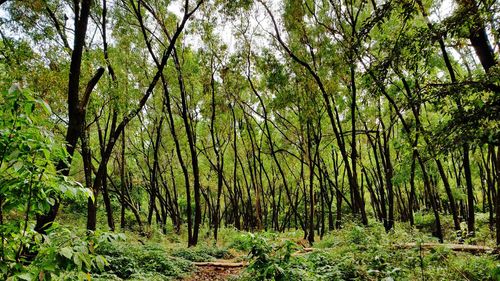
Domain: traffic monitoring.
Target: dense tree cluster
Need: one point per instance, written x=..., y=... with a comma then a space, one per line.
x=261, y=114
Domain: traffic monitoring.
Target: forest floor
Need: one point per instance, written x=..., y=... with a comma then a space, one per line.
x=216, y=272
x=351, y=253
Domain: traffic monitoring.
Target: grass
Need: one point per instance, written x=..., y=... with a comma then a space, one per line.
x=351, y=253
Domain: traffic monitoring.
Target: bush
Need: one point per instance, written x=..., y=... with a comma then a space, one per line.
x=359, y=253
x=65, y=255
x=424, y=221
x=29, y=184
x=272, y=261
x=242, y=242
x=128, y=261
x=476, y=268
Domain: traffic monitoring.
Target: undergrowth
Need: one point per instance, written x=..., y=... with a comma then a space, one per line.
x=129, y=261
x=351, y=253
x=359, y=253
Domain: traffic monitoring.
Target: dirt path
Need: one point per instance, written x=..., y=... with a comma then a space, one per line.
x=220, y=270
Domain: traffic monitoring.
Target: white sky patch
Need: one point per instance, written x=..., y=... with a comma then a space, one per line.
x=440, y=74
x=442, y=10
x=342, y=116
x=197, y=111
x=255, y=106
x=176, y=7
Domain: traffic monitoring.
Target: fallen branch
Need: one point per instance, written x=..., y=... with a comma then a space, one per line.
x=221, y=264
x=303, y=251
x=425, y=246
x=453, y=247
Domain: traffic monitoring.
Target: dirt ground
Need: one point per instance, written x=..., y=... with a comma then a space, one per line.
x=215, y=273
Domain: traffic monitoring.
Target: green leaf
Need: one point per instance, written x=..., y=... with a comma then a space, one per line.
x=14, y=154
x=100, y=262
x=66, y=252
x=77, y=261
x=17, y=166
x=25, y=276
x=45, y=106
x=28, y=108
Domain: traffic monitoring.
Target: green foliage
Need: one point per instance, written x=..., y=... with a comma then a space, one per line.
x=424, y=221
x=128, y=261
x=272, y=261
x=28, y=183
x=243, y=242
x=62, y=253
x=335, y=87
x=29, y=153
x=339, y=257
x=478, y=268
x=232, y=8
x=201, y=253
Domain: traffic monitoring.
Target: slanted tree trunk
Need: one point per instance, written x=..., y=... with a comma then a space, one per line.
x=76, y=107
x=122, y=182
x=192, y=149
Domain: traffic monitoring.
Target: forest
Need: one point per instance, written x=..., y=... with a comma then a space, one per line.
x=249, y=140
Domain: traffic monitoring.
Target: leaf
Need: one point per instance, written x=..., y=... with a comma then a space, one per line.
x=50, y=201
x=14, y=154
x=28, y=108
x=45, y=106
x=25, y=276
x=66, y=252
x=100, y=262
x=17, y=166
x=77, y=261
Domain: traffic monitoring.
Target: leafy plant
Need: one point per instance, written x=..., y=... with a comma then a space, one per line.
x=242, y=242
x=273, y=261
x=63, y=251
x=201, y=254
x=127, y=261
x=28, y=183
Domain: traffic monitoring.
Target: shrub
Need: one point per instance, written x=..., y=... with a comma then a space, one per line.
x=66, y=255
x=29, y=182
x=128, y=261
x=202, y=253
x=274, y=261
x=242, y=242
x=476, y=268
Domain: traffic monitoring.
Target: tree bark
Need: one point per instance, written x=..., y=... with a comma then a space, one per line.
x=76, y=112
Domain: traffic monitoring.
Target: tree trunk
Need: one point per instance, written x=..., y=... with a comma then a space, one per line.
x=76, y=115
